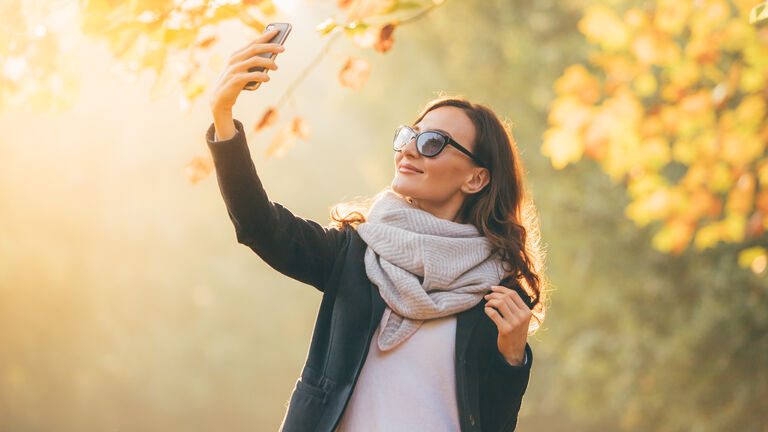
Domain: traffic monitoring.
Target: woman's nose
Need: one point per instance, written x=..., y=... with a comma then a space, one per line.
x=410, y=148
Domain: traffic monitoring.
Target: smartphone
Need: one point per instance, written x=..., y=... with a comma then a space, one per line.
x=283, y=29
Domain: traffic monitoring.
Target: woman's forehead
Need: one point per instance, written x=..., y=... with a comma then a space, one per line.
x=450, y=120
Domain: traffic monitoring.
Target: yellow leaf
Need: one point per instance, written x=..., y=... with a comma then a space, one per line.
x=741, y=197
x=674, y=236
x=562, y=146
x=636, y=18
x=654, y=206
x=671, y=15
x=708, y=236
x=569, y=113
x=194, y=86
x=762, y=174
x=751, y=111
x=720, y=179
x=740, y=148
x=578, y=81
x=655, y=152
x=733, y=226
x=748, y=256
x=645, y=84
x=601, y=25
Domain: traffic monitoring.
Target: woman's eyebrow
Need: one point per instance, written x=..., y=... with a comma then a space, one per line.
x=416, y=127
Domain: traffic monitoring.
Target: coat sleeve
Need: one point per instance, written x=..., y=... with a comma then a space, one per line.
x=296, y=247
x=505, y=386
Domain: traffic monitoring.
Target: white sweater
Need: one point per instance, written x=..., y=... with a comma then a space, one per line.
x=410, y=388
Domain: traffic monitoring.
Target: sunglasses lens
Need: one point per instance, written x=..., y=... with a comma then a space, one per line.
x=402, y=137
x=431, y=143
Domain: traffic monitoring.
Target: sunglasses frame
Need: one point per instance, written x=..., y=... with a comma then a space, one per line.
x=447, y=140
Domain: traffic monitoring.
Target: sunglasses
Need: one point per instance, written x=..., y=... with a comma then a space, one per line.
x=429, y=143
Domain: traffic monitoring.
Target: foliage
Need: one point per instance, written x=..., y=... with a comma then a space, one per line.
x=673, y=106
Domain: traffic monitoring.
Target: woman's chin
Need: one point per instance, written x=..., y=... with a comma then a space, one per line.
x=402, y=187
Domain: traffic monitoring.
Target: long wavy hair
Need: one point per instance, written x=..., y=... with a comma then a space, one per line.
x=503, y=211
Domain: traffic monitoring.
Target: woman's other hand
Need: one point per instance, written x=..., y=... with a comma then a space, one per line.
x=512, y=322
x=235, y=76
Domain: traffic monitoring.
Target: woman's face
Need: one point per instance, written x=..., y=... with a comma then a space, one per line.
x=443, y=180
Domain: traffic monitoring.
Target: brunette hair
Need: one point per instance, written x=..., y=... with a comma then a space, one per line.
x=503, y=211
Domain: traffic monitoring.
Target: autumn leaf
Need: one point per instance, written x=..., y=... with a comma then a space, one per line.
x=198, y=168
x=563, y=146
x=754, y=258
x=301, y=128
x=365, y=39
x=759, y=13
x=385, y=39
x=283, y=140
x=326, y=26
x=269, y=118
x=355, y=73
x=602, y=26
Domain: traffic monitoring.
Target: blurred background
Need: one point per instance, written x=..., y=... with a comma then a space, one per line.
x=127, y=304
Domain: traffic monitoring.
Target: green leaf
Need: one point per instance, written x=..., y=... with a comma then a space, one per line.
x=355, y=27
x=402, y=5
x=759, y=13
x=326, y=26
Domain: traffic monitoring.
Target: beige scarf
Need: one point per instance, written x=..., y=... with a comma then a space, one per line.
x=425, y=267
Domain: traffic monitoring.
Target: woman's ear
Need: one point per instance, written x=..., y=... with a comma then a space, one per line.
x=479, y=178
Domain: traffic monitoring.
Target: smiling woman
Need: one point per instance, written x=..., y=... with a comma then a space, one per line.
x=428, y=291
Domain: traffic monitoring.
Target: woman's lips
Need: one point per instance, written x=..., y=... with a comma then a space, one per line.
x=407, y=170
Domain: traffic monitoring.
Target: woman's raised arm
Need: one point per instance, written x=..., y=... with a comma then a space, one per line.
x=299, y=248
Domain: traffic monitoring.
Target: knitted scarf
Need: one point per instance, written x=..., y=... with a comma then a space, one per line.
x=424, y=266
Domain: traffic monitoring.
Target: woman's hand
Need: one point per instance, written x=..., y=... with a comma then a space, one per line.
x=236, y=75
x=513, y=325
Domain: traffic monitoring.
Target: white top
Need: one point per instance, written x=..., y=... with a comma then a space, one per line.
x=410, y=388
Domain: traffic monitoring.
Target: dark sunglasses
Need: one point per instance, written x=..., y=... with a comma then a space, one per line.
x=429, y=143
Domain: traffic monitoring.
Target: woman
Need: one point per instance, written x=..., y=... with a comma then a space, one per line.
x=427, y=293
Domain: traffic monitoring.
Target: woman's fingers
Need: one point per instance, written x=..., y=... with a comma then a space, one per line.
x=512, y=294
x=495, y=316
x=257, y=61
x=257, y=40
x=254, y=76
x=508, y=311
x=255, y=49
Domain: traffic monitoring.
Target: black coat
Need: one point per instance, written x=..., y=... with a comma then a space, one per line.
x=489, y=390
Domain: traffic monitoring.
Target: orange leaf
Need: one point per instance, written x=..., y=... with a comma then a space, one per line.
x=384, y=42
x=269, y=118
x=577, y=80
x=301, y=128
x=207, y=42
x=762, y=202
x=755, y=227
x=198, y=168
x=281, y=142
x=355, y=73
x=741, y=197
